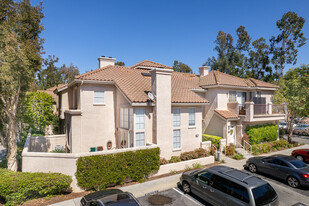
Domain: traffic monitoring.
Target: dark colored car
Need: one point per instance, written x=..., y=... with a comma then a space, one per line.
x=112, y=197
x=287, y=168
x=221, y=185
x=301, y=154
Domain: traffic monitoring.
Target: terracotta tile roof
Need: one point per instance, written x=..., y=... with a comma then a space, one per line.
x=219, y=78
x=148, y=63
x=227, y=114
x=135, y=85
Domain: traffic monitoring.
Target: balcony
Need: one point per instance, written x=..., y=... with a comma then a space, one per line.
x=251, y=112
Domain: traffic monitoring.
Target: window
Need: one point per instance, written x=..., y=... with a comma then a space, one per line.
x=176, y=117
x=221, y=184
x=191, y=116
x=205, y=177
x=176, y=139
x=264, y=194
x=139, y=139
x=239, y=192
x=232, y=96
x=140, y=119
x=98, y=97
x=124, y=118
x=258, y=94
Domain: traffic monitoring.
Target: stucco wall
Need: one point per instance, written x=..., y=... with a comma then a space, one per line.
x=96, y=124
x=46, y=143
x=191, y=136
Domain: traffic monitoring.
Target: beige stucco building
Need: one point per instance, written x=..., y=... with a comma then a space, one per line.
x=148, y=103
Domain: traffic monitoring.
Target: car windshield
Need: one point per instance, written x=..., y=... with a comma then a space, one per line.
x=264, y=194
x=118, y=200
x=298, y=164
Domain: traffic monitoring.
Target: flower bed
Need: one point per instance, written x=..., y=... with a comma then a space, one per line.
x=198, y=153
x=272, y=146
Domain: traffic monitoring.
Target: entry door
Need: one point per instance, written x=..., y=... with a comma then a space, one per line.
x=231, y=134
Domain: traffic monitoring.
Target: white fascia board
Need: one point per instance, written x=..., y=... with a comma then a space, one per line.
x=199, y=90
x=189, y=104
x=237, y=87
x=143, y=104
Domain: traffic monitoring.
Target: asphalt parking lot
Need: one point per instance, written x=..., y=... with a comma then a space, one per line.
x=287, y=196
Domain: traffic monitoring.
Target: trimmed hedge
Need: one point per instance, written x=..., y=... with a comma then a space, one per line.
x=214, y=139
x=100, y=171
x=262, y=133
x=17, y=187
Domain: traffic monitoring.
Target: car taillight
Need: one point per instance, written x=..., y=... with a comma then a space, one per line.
x=306, y=176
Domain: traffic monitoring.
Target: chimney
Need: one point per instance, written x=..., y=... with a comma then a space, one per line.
x=204, y=70
x=161, y=86
x=105, y=61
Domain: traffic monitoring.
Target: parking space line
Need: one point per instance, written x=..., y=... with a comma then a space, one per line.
x=190, y=198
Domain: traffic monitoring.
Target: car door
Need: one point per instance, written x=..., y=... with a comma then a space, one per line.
x=281, y=169
x=219, y=190
x=266, y=165
x=201, y=187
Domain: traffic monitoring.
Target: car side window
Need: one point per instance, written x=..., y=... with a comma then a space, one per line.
x=239, y=192
x=205, y=177
x=269, y=160
x=221, y=184
x=93, y=204
x=280, y=162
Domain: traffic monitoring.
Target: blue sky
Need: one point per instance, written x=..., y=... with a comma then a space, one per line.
x=79, y=31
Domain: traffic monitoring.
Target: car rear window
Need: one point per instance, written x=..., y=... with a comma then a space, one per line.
x=264, y=194
x=298, y=164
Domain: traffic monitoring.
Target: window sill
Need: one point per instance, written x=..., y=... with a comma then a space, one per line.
x=97, y=104
x=176, y=150
x=192, y=127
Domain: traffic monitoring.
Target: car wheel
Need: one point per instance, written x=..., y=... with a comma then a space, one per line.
x=252, y=168
x=186, y=187
x=293, y=182
x=300, y=157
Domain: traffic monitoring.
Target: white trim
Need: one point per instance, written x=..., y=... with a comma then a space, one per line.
x=239, y=87
x=199, y=90
x=142, y=104
x=189, y=104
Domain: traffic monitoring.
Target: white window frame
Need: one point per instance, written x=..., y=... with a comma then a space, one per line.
x=140, y=125
x=176, y=117
x=190, y=119
x=99, y=97
x=232, y=97
x=177, y=139
x=137, y=135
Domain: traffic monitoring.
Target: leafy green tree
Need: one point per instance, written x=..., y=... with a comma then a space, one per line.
x=284, y=46
x=231, y=59
x=38, y=110
x=50, y=76
x=259, y=62
x=294, y=90
x=20, y=55
x=181, y=67
x=68, y=73
x=120, y=63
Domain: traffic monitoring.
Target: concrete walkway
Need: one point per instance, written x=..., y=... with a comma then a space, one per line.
x=165, y=183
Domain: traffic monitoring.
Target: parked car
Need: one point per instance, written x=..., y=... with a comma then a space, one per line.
x=221, y=185
x=301, y=154
x=290, y=169
x=283, y=125
x=301, y=126
x=109, y=197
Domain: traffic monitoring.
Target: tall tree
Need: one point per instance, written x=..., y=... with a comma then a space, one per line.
x=294, y=91
x=20, y=58
x=181, y=67
x=231, y=59
x=120, y=63
x=68, y=73
x=259, y=61
x=50, y=76
x=284, y=46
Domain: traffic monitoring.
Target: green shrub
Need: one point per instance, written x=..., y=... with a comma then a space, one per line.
x=17, y=187
x=100, y=171
x=214, y=139
x=238, y=156
x=280, y=144
x=196, y=166
x=262, y=133
x=230, y=150
x=174, y=159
